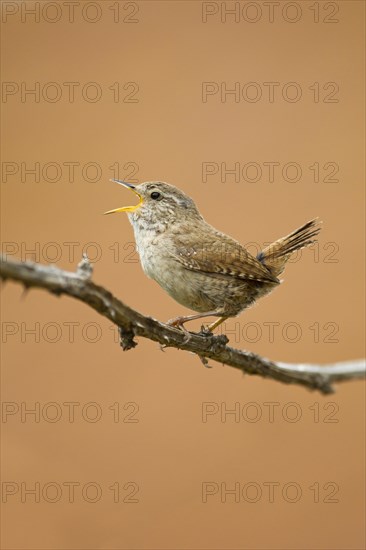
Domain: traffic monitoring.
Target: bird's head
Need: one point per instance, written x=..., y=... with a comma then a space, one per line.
x=158, y=202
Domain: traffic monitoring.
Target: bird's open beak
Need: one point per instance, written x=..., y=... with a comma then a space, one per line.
x=126, y=208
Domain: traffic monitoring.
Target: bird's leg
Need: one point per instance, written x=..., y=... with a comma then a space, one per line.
x=214, y=325
x=179, y=321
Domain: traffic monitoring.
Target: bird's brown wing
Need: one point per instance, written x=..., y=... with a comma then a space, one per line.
x=222, y=256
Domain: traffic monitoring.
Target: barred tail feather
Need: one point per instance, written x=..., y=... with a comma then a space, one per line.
x=275, y=256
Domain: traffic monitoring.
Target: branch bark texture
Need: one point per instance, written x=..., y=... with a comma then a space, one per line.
x=207, y=346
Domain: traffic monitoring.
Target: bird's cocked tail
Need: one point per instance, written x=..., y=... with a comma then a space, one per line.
x=275, y=256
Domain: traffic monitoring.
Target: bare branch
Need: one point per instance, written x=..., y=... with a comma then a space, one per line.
x=206, y=346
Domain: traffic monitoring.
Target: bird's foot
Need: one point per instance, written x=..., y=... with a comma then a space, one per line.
x=178, y=322
x=204, y=361
x=205, y=331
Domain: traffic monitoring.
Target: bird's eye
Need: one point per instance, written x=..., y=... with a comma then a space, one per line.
x=155, y=195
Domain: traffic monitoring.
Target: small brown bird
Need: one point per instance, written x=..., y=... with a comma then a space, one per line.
x=200, y=267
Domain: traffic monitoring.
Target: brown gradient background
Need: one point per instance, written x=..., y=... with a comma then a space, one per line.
x=169, y=133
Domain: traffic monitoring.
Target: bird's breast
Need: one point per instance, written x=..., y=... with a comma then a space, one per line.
x=150, y=248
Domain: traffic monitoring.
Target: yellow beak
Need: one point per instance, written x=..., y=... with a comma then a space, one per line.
x=127, y=208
